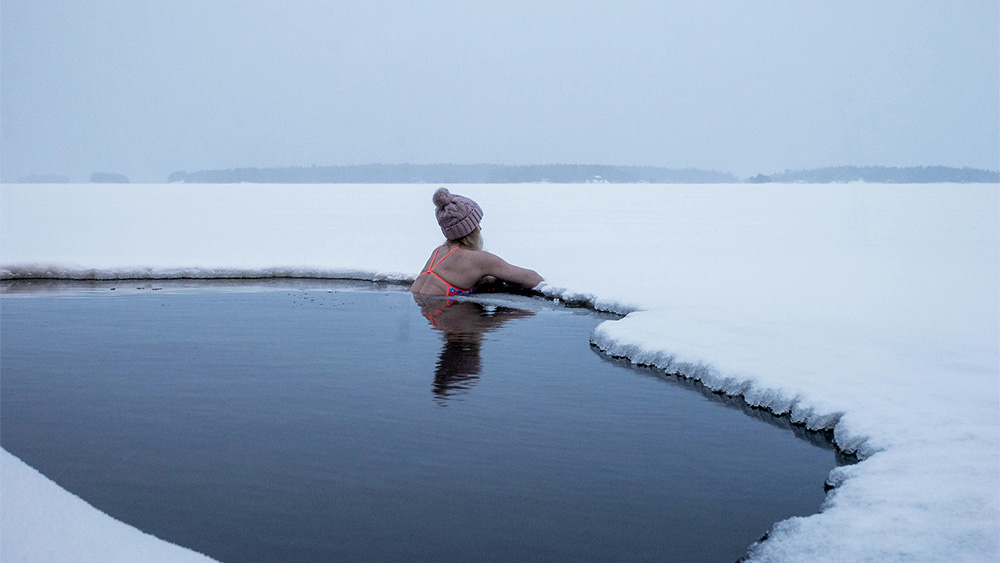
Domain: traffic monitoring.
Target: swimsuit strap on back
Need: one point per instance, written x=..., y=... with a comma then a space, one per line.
x=435, y=264
x=452, y=290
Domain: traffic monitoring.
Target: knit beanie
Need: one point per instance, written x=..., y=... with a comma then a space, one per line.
x=457, y=215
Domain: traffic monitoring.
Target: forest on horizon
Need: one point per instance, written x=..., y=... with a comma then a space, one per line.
x=574, y=173
x=552, y=173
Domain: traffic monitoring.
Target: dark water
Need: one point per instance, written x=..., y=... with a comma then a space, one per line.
x=308, y=421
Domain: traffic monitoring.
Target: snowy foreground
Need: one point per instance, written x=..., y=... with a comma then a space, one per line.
x=870, y=309
x=40, y=521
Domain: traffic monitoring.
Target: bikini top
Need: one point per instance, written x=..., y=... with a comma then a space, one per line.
x=452, y=290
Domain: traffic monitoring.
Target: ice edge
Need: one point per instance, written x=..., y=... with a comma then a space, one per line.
x=54, y=272
x=799, y=412
x=771, y=400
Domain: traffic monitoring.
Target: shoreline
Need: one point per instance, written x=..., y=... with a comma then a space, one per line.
x=47, y=288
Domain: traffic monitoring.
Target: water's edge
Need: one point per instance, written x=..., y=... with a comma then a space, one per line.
x=819, y=429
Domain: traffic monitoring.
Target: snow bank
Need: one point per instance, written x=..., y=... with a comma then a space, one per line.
x=62, y=272
x=869, y=309
x=42, y=522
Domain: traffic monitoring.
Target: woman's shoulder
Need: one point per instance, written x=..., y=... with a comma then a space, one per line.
x=481, y=256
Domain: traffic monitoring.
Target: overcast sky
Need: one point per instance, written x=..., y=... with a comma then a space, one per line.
x=148, y=88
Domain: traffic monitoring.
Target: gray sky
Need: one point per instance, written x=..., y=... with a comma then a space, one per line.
x=148, y=88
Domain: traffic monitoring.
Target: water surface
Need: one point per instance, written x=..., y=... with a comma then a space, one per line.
x=328, y=421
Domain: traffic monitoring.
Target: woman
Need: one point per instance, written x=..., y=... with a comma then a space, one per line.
x=460, y=264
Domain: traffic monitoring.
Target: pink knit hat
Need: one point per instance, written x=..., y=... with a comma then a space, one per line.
x=457, y=215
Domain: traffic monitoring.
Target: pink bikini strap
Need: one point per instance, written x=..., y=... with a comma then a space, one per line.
x=435, y=264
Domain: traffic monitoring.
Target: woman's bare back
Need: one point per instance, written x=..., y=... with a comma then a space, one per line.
x=464, y=268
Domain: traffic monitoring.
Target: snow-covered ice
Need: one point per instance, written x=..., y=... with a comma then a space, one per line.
x=40, y=521
x=870, y=309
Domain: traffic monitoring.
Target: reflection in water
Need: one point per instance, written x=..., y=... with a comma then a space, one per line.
x=463, y=324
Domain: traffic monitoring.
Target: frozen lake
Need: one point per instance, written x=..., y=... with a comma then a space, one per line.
x=868, y=310
x=321, y=421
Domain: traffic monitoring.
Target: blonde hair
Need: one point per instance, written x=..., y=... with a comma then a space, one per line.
x=472, y=241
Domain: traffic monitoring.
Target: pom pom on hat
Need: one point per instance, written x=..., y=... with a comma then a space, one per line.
x=457, y=215
x=442, y=197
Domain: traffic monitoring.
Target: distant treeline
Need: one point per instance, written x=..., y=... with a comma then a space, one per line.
x=108, y=178
x=882, y=174
x=555, y=173
x=455, y=174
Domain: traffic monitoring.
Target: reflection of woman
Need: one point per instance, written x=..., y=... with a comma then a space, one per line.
x=460, y=264
x=462, y=324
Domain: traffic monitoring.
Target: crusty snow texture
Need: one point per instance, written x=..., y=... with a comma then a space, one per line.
x=869, y=309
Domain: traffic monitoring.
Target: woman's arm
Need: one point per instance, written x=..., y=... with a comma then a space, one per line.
x=493, y=265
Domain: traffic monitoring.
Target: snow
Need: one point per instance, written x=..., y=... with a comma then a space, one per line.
x=870, y=309
x=40, y=521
